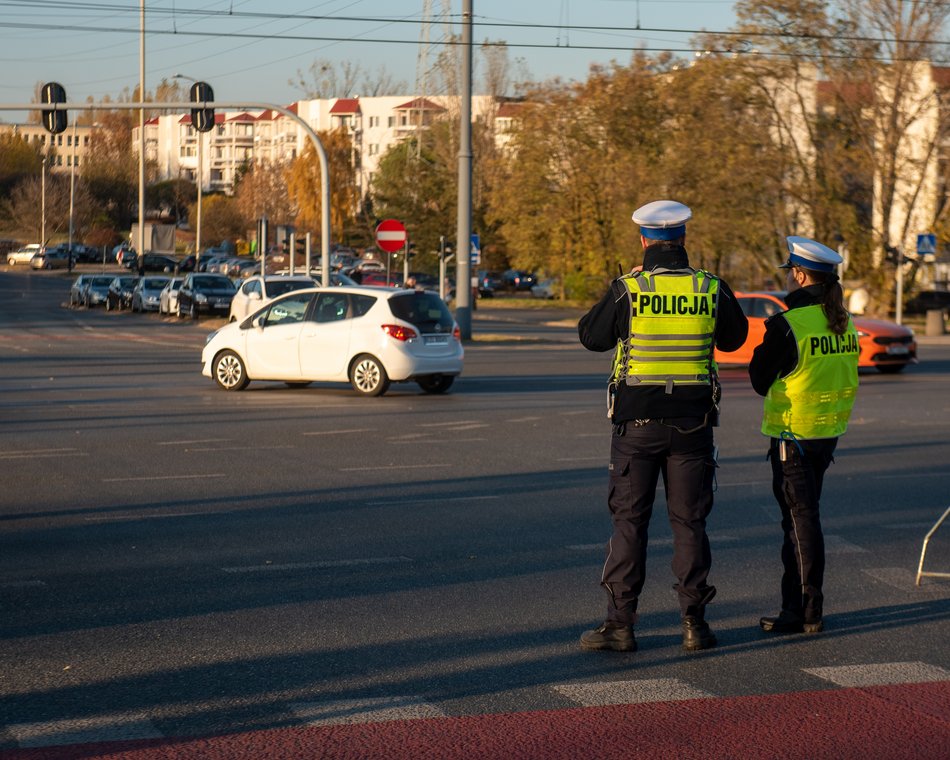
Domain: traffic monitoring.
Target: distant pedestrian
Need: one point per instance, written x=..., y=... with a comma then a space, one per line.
x=662, y=321
x=807, y=369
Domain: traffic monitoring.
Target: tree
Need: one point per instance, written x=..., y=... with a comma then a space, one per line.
x=18, y=159
x=262, y=191
x=329, y=79
x=221, y=219
x=26, y=204
x=304, y=184
x=111, y=170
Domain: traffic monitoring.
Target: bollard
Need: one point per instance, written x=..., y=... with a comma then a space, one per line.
x=935, y=322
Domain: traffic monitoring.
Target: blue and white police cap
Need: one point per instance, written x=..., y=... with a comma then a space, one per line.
x=662, y=220
x=810, y=254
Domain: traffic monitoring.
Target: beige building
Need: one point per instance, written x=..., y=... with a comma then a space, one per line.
x=64, y=150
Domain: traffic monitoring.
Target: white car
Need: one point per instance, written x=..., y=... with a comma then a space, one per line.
x=24, y=255
x=368, y=336
x=257, y=291
x=168, y=298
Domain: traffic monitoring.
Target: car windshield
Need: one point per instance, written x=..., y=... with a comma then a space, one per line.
x=424, y=310
x=102, y=282
x=205, y=284
x=279, y=287
x=155, y=283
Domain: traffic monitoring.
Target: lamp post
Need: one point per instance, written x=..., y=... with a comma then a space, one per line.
x=43, y=205
x=199, y=138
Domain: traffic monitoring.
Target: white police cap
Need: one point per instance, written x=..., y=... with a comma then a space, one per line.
x=810, y=254
x=662, y=220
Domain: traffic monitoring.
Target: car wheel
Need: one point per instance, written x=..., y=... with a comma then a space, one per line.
x=11, y=262
x=890, y=369
x=229, y=372
x=178, y=310
x=193, y=310
x=368, y=377
x=108, y=305
x=436, y=383
x=296, y=384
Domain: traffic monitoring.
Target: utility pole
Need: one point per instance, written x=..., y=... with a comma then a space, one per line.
x=463, y=285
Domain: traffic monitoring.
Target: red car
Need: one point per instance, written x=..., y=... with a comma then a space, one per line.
x=885, y=346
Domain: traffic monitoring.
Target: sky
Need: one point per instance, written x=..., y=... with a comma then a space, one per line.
x=250, y=50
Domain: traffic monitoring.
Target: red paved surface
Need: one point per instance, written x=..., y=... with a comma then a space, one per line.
x=876, y=723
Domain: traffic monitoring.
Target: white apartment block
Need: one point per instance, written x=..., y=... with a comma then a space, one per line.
x=63, y=151
x=243, y=137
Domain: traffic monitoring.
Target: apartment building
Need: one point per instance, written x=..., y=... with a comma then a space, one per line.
x=64, y=150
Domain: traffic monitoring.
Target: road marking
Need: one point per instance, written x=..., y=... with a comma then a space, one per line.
x=368, y=710
x=340, y=432
x=573, y=414
x=23, y=584
x=246, y=448
x=436, y=499
x=167, y=477
x=109, y=518
x=580, y=459
x=34, y=453
x=525, y=419
x=837, y=545
x=317, y=565
x=902, y=579
x=913, y=476
x=392, y=467
x=99, y=728
x=197, y=440
x=881, y=674
x=423, y=439
x=448, y=424
x=654, y=542
x=631, y=692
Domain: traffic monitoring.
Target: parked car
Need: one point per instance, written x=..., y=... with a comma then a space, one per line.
x=546, y=289
x=24, y=255
x=368, y=336
x=96, y=290
x=51, y=258
x=379, y=279
x=78, y=288
x=515, y=279
x=488, y=283
x=257, y=291
x=155, y=262
x=120, y=292
x=205, y=294
x=168, y=299
x=885, y=346
x=925, y=300
x=146, y=294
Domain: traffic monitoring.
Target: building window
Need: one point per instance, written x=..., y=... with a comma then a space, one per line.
x=75, y=160
x=391, y=122
x=374, y=149
x=69, y=140
x=59, y=160
x=85, y=140
x=374, y=121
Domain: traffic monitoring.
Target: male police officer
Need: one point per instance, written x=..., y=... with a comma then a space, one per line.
x=662, y=321
x=807, y=369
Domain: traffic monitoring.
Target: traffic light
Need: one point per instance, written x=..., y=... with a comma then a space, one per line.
x=445, y=249
x=54, y=120
x=202, y=119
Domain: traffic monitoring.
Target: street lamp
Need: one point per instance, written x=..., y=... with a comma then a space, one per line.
x=199, y=138
x=43, y=205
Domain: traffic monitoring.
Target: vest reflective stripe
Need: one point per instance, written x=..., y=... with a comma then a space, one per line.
x=816, y=399
x=672, y=324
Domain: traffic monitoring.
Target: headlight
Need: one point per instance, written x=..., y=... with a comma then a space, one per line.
x=201, y=298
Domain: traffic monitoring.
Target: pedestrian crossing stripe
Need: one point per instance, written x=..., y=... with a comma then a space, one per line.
x=881, y=674
x=97, y=728
x=366, y=710
x=601, y=694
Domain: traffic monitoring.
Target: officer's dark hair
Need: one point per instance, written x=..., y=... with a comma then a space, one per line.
x=832, y=300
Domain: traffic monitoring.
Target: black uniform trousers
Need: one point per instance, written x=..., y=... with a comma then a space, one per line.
x=638, y=456
x=796, y=483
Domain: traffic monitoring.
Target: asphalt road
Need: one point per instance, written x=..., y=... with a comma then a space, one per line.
x=177, y=561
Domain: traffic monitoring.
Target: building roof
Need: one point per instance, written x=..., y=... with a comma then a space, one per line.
x=346, y=106
x=419, y=104
x=186, y=118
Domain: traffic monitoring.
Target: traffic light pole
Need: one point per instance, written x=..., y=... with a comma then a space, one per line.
x=55, y=107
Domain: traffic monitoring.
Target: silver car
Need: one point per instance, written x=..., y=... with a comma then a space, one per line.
x=168, y=298
x=147, y=293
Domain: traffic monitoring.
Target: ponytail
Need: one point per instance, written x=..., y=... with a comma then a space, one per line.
x=832, y=302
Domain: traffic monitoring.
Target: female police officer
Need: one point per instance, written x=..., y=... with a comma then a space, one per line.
x=662, y=322
x=807, y=369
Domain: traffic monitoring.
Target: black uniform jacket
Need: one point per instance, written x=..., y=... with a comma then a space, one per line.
x=609, y=321
x=777, y=355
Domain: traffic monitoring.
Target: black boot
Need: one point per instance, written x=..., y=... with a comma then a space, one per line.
x=791, y=622
x=696, y=634
x=611, y=636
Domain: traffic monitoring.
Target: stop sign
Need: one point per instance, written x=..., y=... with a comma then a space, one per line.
x=390, y=235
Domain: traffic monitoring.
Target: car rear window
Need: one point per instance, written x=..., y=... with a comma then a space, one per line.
x=279, y=288
x=424, y=310
x=213, y=283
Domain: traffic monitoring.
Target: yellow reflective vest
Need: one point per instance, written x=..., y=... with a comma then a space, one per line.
x=816, y=398
x=672, y=329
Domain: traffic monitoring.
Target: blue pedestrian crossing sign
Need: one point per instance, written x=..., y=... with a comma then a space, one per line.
x=926, y=244
x=476, y=250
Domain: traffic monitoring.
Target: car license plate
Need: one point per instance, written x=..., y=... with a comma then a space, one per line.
x=898, y=350
x=436, y=340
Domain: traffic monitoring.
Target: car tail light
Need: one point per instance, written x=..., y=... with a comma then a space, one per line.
x=457, y=333
x=399, y=332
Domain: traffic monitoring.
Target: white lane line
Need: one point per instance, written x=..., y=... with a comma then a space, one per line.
x=166, y=477
x=99, y=728
x=340, y=432
x=430, y=500
x=42, y=455
x=903, y=579
x=23, y=584
x=245, y=448
x=837, y=545
x=197, y=440
x=448, y=424
x=392, y=467
x=422, y=439
x=631, y=692
x=881, y=674
x=368, y=710
x=34, y=452
x=110, y=518
x=524, y=419
x=317, y=565
x=572, y=414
